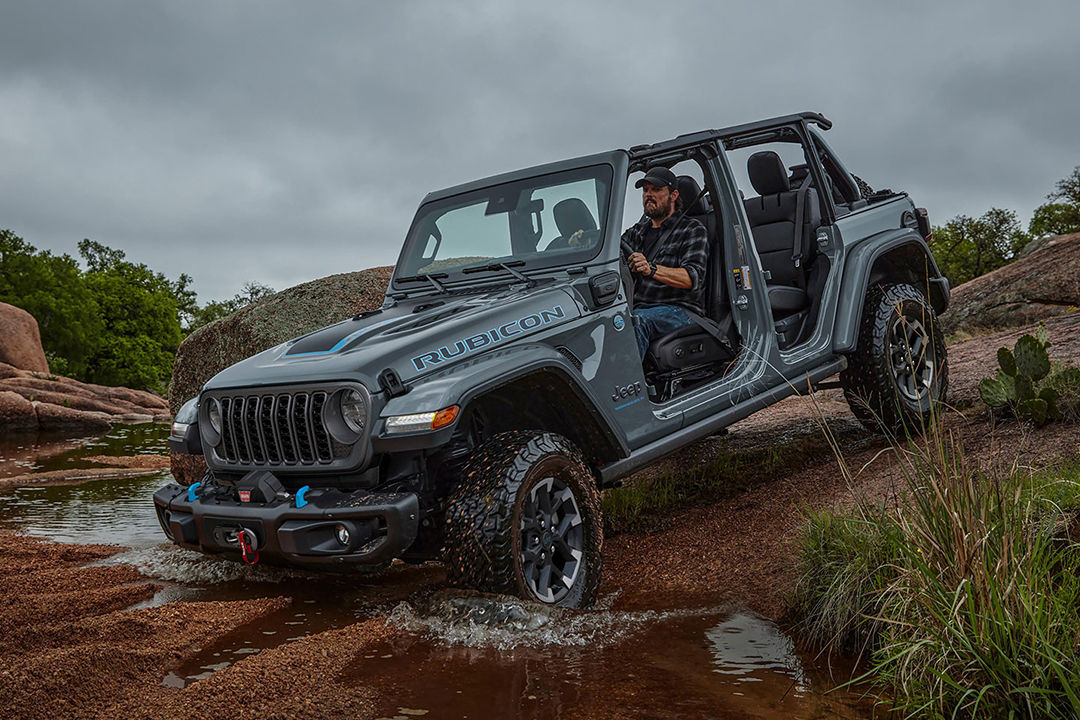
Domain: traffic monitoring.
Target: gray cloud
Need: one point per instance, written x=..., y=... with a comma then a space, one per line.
x=280, y=142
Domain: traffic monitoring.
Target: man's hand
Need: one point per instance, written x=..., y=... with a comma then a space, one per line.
x=638, y=264
x=672, y=276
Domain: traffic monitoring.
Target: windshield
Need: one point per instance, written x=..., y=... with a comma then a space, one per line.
x=550, y=220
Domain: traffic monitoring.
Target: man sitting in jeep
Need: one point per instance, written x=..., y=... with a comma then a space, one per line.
x=672, y=282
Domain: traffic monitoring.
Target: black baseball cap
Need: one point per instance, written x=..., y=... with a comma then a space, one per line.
x=658, y=176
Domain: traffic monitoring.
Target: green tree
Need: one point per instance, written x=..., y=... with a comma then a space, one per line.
x=966, y=247
x=1059, y=218
x=53, y=290
x=140, y=311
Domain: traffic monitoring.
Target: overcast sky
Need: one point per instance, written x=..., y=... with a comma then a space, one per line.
x=280, y=142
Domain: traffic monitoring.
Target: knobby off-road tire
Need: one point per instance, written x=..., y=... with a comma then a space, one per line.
x=899, y=368
x=499, y=534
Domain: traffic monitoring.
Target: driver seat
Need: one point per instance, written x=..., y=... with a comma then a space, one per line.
x=693, y=348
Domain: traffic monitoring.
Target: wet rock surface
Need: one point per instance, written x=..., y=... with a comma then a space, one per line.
x=270, y=321
x=1041, y=284
x=32, y=401
x=20, y=340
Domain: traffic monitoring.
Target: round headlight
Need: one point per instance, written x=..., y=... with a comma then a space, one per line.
x=354, y=410
x=214, y=413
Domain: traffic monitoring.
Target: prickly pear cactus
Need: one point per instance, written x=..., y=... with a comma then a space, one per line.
x=1016, y=387
x=1032, y=357
x=1007, y=361
x=998, y=391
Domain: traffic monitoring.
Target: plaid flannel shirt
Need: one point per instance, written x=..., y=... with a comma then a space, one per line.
x=687, y=247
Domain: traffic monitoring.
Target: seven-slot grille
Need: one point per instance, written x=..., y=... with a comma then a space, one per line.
x=277, y=429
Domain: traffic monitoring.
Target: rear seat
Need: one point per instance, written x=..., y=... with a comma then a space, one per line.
x=773, y=219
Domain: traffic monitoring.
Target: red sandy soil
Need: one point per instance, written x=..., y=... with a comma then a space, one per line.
x=70, y=649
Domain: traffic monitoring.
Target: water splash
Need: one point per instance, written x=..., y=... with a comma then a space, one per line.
x=506, y=623
x=174, y=564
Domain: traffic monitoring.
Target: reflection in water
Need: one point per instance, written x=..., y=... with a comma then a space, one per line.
x=746, y=646
x=20, y=454
x=117, y=511
x=662, y=664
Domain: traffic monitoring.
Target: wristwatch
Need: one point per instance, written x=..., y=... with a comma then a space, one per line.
x=652, y=269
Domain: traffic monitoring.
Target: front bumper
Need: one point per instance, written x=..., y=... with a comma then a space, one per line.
x=381, y=525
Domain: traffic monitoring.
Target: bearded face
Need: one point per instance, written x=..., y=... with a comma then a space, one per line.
x=658, y=202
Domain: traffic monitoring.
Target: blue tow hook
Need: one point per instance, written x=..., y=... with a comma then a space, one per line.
x=191, y=491
x=300, y=501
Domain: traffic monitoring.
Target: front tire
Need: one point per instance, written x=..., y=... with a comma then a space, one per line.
x=525, y=520
x=899, y=369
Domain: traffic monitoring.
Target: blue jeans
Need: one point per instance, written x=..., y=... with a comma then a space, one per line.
x=652, y=321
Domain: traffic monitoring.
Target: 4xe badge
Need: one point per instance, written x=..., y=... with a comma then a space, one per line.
x=618, y=322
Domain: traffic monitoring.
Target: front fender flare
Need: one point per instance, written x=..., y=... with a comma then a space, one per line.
x=464, y=382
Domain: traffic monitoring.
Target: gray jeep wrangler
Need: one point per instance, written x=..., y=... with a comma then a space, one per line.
x=476, y=416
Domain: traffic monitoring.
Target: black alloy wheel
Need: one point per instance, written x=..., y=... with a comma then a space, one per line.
x=552, y=540
x=913, y=358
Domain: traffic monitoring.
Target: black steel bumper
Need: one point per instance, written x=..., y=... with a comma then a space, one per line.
x=380, y=525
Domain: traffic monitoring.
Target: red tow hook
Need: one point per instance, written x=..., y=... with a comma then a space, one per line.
x=247, y=541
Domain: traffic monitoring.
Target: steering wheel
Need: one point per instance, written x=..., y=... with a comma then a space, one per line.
x=584, y=238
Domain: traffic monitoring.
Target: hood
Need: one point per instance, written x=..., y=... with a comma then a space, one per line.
x=413, y=336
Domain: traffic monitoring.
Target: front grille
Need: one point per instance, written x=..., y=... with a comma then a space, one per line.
x=277, y=429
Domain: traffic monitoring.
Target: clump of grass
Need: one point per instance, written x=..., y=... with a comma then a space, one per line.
x=964, y=592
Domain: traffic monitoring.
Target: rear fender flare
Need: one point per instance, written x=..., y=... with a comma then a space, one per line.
x=895, y=256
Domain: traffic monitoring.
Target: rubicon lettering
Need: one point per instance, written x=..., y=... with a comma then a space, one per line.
x=488, y=338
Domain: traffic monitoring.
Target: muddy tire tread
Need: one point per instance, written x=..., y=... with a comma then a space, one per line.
x=867, y=382
x=480, y=529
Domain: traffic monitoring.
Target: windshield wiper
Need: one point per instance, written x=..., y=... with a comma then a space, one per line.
x=429, y=277
x=508, y=267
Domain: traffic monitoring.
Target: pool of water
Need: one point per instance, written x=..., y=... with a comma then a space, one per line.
x=27, y=453
x=456, y=655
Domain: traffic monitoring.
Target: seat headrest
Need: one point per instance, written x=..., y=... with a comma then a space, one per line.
x=688, y=192
x=572, y=215
x=767, y=173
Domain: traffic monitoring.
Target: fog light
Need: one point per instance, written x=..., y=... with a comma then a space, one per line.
x=343, y=534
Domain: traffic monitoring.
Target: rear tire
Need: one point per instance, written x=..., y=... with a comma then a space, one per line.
x=525, y=520
x=899, y=369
